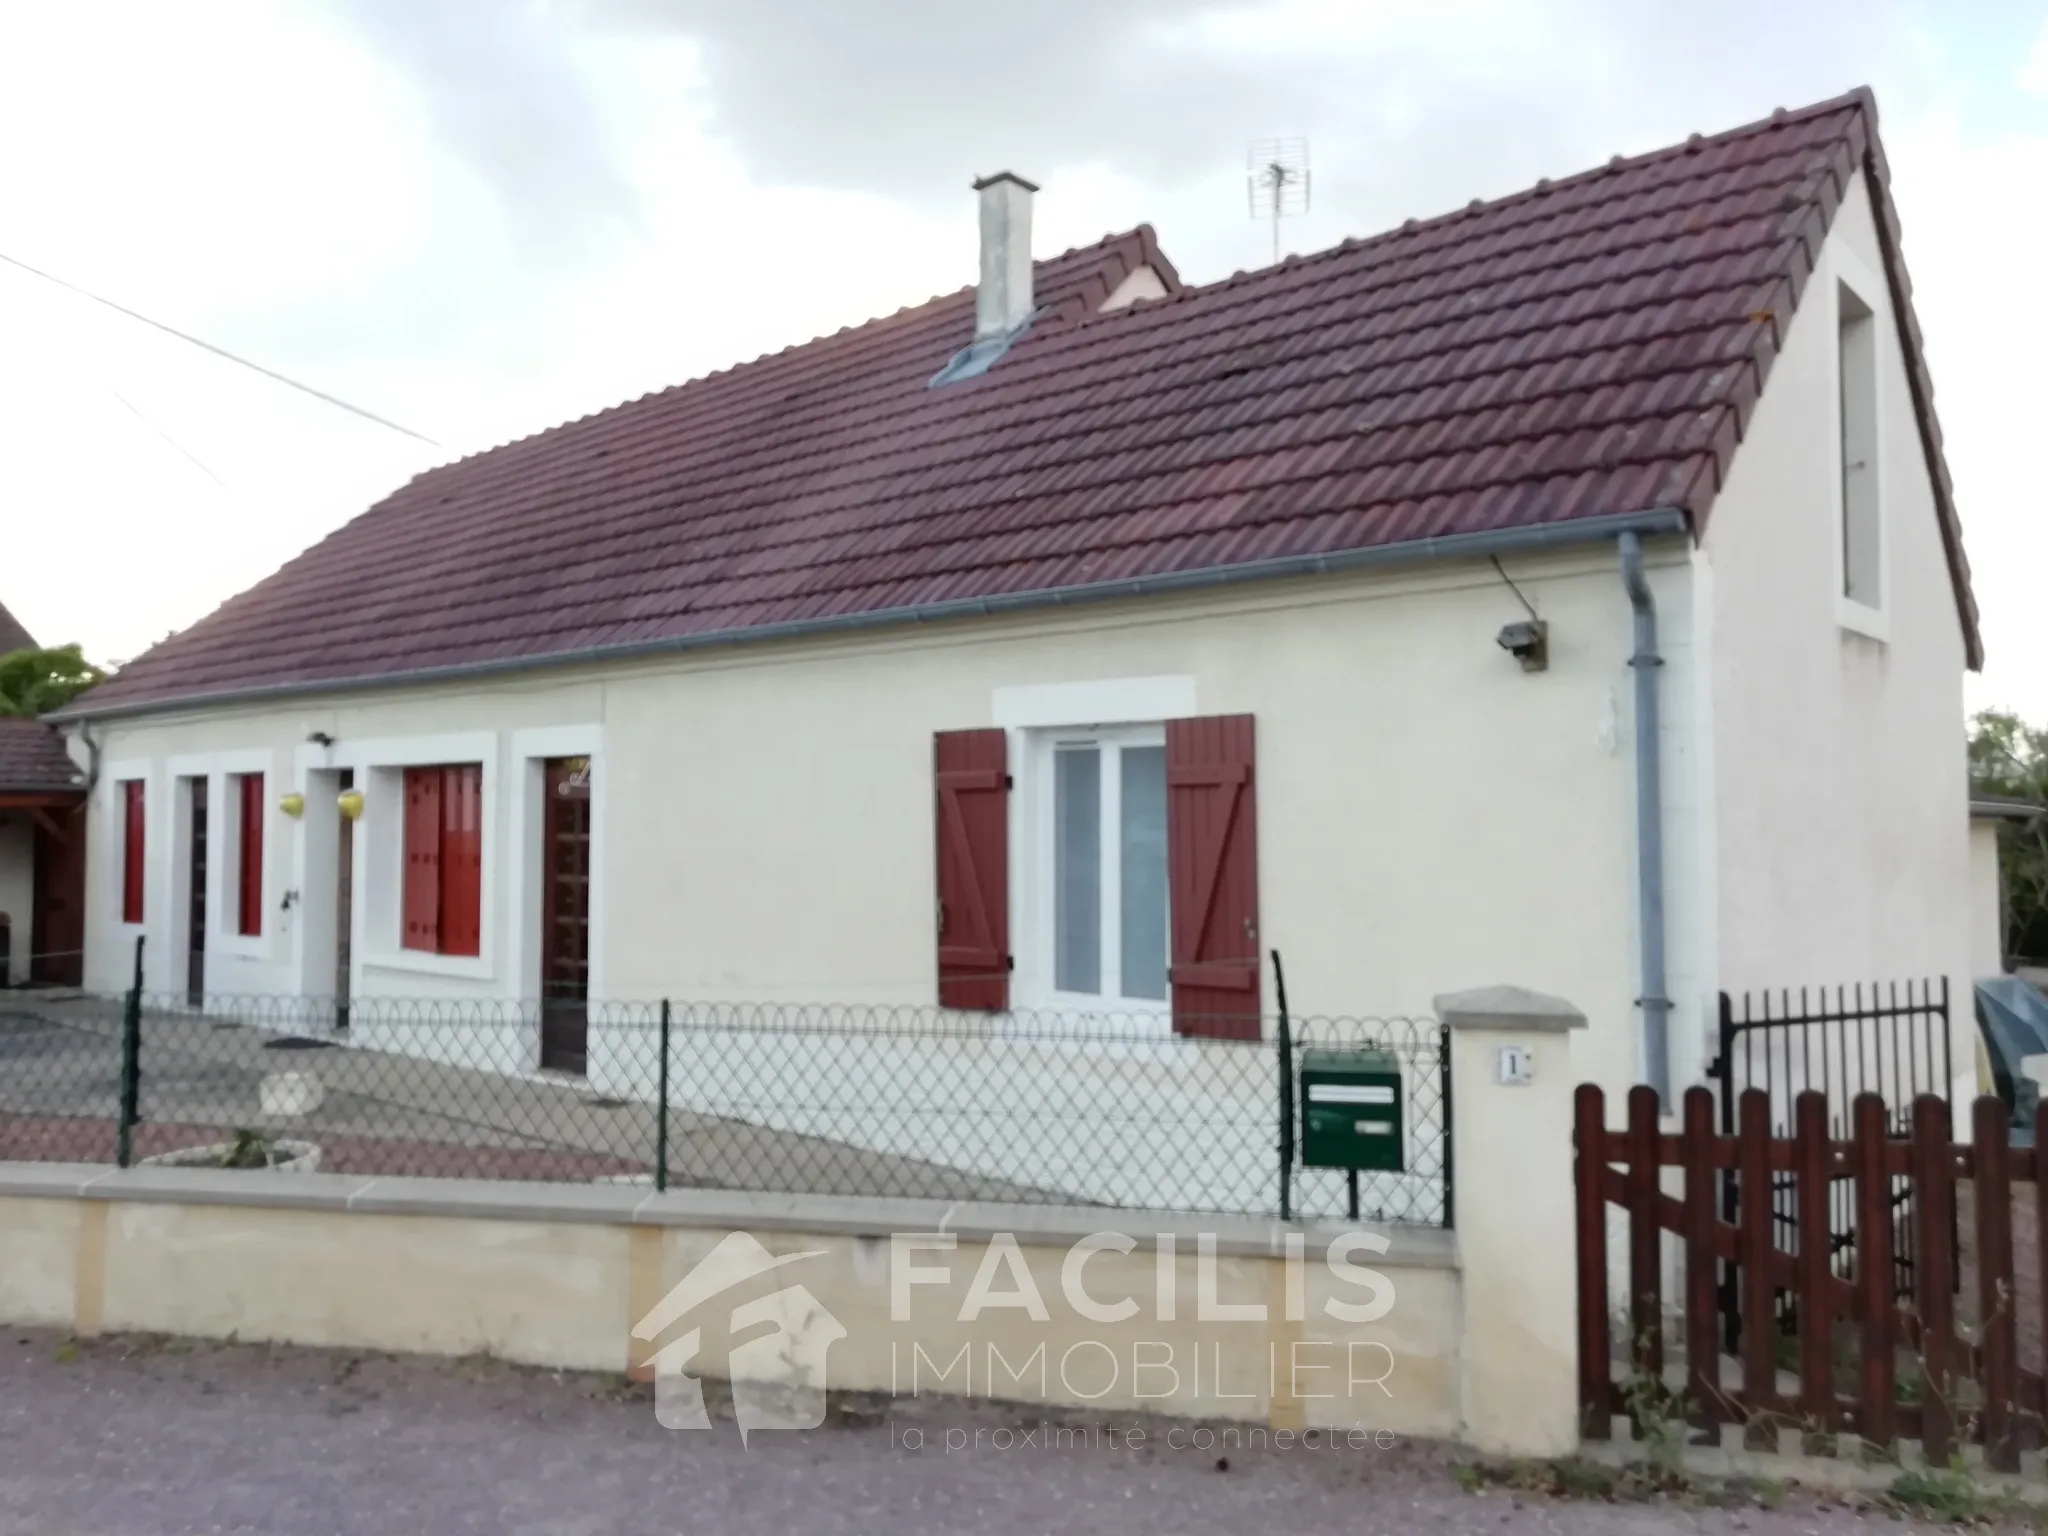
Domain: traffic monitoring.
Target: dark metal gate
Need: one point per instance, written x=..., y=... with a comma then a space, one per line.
x=1887, y=1038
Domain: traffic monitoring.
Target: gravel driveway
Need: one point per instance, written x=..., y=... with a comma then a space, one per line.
x=132, y=1435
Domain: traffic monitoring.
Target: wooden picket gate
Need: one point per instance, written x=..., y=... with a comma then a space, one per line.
x=1848, y=1356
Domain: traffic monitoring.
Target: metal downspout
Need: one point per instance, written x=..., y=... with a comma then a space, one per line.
x=92, y=748
x=1646, y=662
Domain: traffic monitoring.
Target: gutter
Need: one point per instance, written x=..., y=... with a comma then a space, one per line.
x=1646, y=664
x=2002, y=808
x=1587, y=530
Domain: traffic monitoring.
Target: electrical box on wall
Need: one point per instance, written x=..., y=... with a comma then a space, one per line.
x=1351, y=1108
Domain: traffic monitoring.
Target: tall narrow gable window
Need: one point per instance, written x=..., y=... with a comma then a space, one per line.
x=131, y=850
x=249, y=871
x=443, y=893
x=1862, y=527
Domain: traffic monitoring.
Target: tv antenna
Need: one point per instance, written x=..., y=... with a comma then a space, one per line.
x=1276, y=181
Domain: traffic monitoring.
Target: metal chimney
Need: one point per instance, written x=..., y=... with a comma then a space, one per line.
x=1002, y=303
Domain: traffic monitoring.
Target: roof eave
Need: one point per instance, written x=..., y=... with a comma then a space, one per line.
x=1585, y=530
x=2002, y=808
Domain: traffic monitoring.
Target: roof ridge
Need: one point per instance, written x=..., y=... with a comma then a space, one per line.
x=1544, y=186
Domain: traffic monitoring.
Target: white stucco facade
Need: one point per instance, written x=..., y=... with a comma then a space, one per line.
x=1839, y=838
x=1429, y=814
x=1431, y=817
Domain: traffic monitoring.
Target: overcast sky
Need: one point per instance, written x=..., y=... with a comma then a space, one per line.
x=480, y=217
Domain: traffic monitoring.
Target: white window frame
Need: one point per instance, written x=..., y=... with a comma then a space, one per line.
x=182, y=776
x=225, y=839
x=222, y=772
x=1845, y=271
x=379, y=879
x=530, y=750
x=1034, y=863
x=114, y=862
x=223, y=858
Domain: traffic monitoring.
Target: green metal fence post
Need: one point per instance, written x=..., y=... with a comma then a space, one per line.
x=661, y=1111
x=1443, y=1067
x=1286, y=1064
x=131, y=1065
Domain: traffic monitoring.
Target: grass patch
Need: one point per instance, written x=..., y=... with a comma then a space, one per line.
x=1573, y=1477
x=1954, y=1497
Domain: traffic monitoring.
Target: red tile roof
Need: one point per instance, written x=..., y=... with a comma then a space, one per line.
x=1590, y=346
x=33, y=759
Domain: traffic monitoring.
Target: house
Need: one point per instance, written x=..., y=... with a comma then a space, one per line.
x=1565, y=590
x=14, y=635
x=42, y=845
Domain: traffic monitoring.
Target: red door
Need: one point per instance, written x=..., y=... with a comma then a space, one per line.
x=565, y=916
x=344, y=901
x=56, y=937
x=195, y=900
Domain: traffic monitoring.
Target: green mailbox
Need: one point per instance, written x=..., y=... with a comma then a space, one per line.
x=1351, y=1110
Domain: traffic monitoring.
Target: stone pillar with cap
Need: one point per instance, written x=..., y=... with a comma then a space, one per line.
x=1511, y=1142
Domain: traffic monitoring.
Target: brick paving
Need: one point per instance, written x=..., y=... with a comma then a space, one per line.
x=76, y=1139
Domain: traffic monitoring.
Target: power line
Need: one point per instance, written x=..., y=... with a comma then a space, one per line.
x=160, y=432
x=268, y=373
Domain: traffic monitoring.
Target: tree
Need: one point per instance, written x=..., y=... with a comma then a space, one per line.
x=35, y=681
x=2010, y=757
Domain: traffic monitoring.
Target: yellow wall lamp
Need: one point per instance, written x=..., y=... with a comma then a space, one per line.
x=293, y=806
x=351, y=803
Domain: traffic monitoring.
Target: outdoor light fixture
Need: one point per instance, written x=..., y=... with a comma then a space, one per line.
x=1528, y=641
x=351, y=803
x=292, y=805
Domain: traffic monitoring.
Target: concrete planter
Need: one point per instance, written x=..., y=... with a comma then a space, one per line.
x=287, y=1095
x=289, y=1157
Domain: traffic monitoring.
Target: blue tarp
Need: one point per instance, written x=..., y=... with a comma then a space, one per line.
x=2014, y=1018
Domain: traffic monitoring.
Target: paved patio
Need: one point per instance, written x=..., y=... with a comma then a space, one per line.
x=391, y=1113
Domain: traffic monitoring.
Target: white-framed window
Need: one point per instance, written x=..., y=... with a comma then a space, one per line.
x=1095, y=868
x=1859, y=479
x=384, y=870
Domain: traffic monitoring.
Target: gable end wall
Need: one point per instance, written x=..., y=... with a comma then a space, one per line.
x=1840, y=828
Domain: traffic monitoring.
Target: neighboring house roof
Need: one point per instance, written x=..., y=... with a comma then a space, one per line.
x=14, y=636
x=1588, y=348
x=1987, y=806
x=33, y=759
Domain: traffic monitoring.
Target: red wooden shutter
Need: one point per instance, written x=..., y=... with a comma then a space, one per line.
x=131, y=851
x=1212, y=865
x=462, y=859
x=251, y=906
x=422, y=896
x=971, y=770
